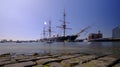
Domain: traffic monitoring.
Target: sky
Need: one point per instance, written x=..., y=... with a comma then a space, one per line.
x=24, y=19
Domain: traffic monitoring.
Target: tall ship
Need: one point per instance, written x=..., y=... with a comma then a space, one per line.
x=64, y=38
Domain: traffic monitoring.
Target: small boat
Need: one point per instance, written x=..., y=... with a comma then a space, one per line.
x=49, y=41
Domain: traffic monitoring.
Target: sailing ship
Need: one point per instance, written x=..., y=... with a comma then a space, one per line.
x=64, y=38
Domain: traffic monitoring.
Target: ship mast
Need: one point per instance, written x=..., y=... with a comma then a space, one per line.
x=49, y=30
x=64, y=24
x=44, y=32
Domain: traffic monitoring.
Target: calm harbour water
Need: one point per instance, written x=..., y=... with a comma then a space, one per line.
x=83, y=47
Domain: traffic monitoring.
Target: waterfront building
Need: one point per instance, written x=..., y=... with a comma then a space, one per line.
x=116, y=32
x=95, y=35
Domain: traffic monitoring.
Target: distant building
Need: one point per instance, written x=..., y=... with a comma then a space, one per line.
x=95, y=35
x=116, y=32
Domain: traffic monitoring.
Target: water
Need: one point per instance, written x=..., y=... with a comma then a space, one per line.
x=70, y=47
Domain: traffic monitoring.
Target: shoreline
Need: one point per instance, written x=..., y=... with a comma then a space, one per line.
x=59, y=60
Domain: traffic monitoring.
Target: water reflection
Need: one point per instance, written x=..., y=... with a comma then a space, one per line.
x=105, y=48
x=61, y=47
x=96, y=44
x=115, y=44
x=115, y=48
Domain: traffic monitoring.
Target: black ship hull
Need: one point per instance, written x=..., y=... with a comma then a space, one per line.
x=68, y=38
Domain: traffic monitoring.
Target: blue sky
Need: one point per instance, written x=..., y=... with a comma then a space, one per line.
x=24, y=19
